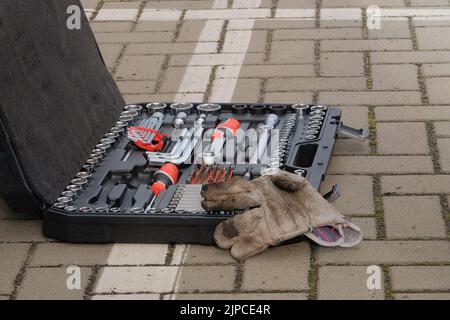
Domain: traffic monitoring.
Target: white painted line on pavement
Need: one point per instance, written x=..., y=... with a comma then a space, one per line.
x=117, y=15
x=222, y=90
x=227, y=14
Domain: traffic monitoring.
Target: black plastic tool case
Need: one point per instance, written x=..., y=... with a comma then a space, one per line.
x=310, y=132
x=56, y=99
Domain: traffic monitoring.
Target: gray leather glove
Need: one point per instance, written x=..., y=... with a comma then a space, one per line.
x=278, y=207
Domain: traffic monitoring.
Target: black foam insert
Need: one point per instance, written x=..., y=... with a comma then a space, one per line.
x=57, y=98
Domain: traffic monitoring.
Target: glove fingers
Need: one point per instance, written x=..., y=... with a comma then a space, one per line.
x=288, y=181
x=319, y=211
x=234, y=186
x=227, y=232
x=247, y=246
x=230, y=202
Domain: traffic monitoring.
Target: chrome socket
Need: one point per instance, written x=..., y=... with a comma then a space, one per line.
x=319, y=107
x=85, y=209
x=69, y=194
x=109, y=141
x=155, y=107
x=65, y=200
x=126, y=119
x=122, y=124
x=317, y=112
x=130, y=113
x=208, y=108
x=88, y=167
x=79, y=182
x=117, y=130
x=103, y=146
x=133, y=107
x=137, y=210
x=316, y=117
x=75, y=188
x=315, y=123
x=278, y=109
x=258, y=108
x=92, y=162
x=239, y=108
x=99, y=152
x=96, y=156
x=111, y=135
x=84, y=175
x=70, y=209
x=101, y=209
x=178, y=107
x=300, y=109
x=59, y=205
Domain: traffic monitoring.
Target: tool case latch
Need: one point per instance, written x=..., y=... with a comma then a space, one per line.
x=333, y=194
x=360, y=134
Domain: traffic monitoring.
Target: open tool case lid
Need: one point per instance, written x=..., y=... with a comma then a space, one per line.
x=57, y=99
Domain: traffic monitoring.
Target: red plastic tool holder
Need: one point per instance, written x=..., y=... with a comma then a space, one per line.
x=156, y=144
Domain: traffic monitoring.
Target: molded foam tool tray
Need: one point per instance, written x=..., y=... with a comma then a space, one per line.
x=111, y=206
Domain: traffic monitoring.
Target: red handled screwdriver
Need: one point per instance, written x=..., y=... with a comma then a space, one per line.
x=166, y=176
x=229, y=127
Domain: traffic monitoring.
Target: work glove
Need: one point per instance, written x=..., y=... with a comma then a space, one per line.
x=278, y=206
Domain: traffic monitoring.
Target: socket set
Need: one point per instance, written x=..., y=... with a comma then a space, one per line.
x=143, y=180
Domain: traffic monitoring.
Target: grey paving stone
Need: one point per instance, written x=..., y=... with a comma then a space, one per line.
x=112, y=280
x=342, y=64
x=422, y=296
x=131, y=67
x=197, y=254
x=346, y=283
x=412, y=113
x=205, y=278
x=442, y=129
x=143, y=296
x=444, y=153
x=315, y=84
x=418, y=278
x=136, y=87
x=437, y=89
x=391, y=138
x=290, y=273
x=239, y=296
x=21, y=230
x=419, y=184
x=375, y=98
x=13, y=256
x=51, y=283
x=286, y=52
x=380, y=164
x=394, y=77
x=387, y=252
x=58, y=254
x=357, y=193
x=413, y=217
x=433, y=38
